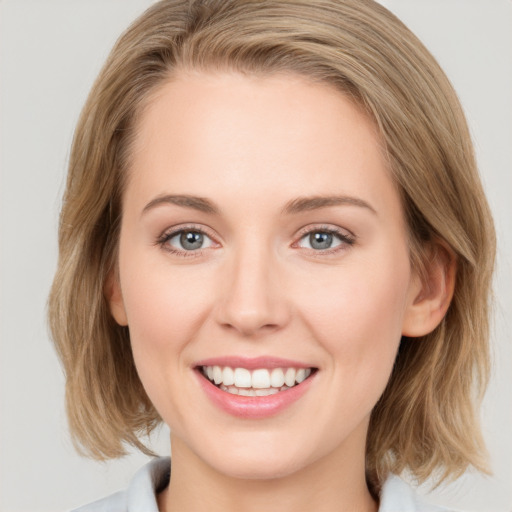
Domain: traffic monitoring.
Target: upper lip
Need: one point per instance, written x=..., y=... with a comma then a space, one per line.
x=252, y=363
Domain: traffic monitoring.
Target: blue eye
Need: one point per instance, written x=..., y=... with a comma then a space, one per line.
x=322, y=240
x=188, y=240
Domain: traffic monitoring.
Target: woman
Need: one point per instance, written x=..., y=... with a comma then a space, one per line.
x=274, y=219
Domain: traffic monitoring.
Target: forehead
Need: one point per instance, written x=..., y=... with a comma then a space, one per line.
x=254, y=136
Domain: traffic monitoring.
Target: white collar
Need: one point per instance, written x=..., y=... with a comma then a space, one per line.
x=396, y=495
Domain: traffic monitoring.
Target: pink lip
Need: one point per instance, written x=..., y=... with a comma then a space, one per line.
x=253, y=407
x=252, y=363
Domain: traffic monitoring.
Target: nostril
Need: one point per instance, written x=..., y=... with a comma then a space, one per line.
x=252, y=303
x=248, y=325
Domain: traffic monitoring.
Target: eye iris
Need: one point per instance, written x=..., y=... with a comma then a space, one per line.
x=191, y=240
x=320, y=240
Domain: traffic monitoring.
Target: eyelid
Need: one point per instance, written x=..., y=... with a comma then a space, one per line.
x=170, y=232
x=346, y=236
x=329, y=228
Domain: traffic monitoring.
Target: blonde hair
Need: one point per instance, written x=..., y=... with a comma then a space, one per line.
x=426, y=421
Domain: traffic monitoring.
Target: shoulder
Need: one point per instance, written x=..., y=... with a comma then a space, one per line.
x=398, y=496
x=113, y=503
x=140, y=494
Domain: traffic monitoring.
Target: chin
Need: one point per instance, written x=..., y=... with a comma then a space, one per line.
x=257, y=464
x=260, y=470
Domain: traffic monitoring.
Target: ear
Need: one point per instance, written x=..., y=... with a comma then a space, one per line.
x=114, y=296
x=431, y=294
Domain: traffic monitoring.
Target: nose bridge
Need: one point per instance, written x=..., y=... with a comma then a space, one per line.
x=252, y=299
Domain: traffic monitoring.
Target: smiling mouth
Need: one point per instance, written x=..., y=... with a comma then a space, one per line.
x=259, y=382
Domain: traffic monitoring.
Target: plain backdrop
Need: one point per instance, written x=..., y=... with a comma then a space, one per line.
x=50, y=51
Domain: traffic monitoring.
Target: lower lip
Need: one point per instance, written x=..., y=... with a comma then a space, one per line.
x=253, y=407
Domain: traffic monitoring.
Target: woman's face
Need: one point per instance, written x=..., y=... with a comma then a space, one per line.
x=262, y=241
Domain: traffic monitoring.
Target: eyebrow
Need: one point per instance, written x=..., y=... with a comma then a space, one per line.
x=298, y=205
x=303, y=204
x=196, y=203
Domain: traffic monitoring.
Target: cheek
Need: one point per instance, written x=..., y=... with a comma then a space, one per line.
x=357, y=312
x=165, y=308
x=161, y=315
x=163, y=303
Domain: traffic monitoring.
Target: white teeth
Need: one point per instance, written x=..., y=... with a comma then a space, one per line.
x=252, y=392
x=228, y=376
x=217, y=374
x=289, y=377
x=300, y=376
x=231, y=389
x=260, y=382
x=260, y=379
x=277, y=378
x=266, y=392
x=242, y=378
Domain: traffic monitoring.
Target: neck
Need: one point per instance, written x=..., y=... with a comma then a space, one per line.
x=334, y=482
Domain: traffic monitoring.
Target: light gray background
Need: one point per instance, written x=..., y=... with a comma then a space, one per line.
x=50, y=52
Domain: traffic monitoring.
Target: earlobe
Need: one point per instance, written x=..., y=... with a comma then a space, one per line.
x=114, y=296
x=431, y=295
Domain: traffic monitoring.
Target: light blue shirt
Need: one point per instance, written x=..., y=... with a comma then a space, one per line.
x=396, y=496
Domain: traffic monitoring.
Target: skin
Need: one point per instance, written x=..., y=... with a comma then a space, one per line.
x=251, y=146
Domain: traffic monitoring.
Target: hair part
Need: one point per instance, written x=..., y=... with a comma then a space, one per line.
x=363, y=50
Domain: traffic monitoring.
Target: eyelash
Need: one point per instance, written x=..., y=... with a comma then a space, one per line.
x=170, y=234
x=347, y=240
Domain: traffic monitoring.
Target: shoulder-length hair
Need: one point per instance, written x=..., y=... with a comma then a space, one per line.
x=426, y=421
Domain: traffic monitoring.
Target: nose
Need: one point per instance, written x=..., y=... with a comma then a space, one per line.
x=254, y=299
